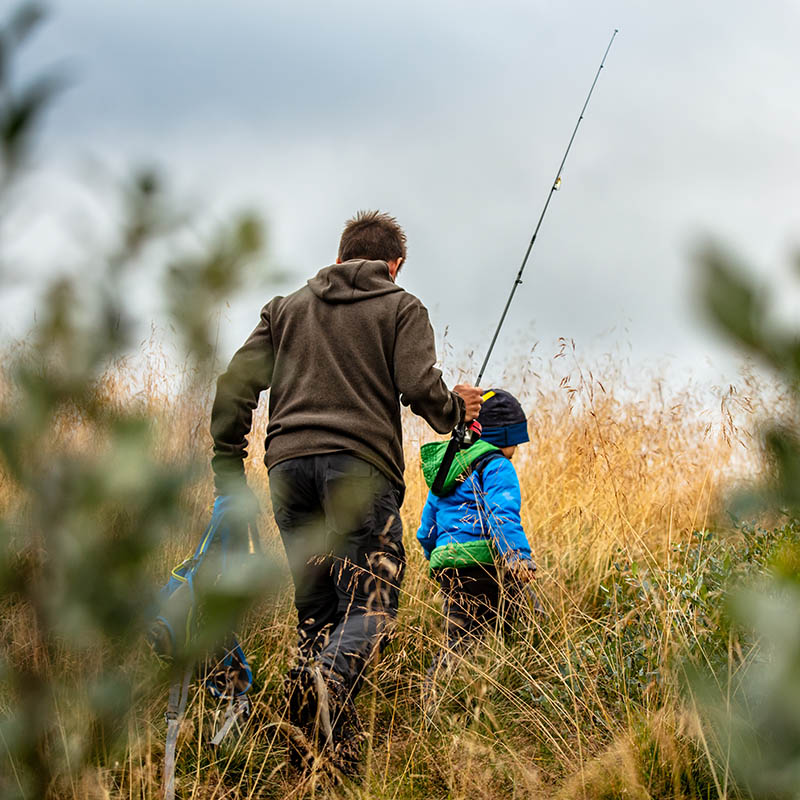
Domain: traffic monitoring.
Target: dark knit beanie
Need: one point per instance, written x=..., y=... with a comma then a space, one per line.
x=503, y=420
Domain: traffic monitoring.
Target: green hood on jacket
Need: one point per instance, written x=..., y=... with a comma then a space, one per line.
x=432, y=454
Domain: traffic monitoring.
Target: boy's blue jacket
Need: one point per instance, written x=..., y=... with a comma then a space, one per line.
x=485, y=505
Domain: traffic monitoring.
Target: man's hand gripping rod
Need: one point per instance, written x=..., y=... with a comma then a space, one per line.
x=465, y=435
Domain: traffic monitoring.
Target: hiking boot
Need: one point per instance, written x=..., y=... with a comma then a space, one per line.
x=348, y=736
x=325, y=714
x=308, y=730
x=307, y=696
x=301, y=753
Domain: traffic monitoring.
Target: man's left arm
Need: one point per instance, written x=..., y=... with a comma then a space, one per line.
x=238, y=388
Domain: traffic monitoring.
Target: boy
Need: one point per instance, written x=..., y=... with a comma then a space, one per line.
x=472, y=534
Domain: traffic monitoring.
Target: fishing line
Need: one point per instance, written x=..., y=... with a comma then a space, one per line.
x=553, y=188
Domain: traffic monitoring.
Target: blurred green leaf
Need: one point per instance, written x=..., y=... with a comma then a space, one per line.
x=750, y=701
x=732, y=299
x=21, y=116
x=24, y=20
x=93, y=495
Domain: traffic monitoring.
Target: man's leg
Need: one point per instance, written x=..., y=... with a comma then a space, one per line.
x=301, y=521
x=366, y=539
x=300, y=518
x=367, y=561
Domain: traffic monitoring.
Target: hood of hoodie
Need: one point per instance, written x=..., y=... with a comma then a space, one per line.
x=352, y=281
x=432, y=453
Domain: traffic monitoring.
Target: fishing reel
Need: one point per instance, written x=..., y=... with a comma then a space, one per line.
x=467, y=434
x=463, y=436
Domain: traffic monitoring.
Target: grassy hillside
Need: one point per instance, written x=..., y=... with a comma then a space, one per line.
x=621, y=487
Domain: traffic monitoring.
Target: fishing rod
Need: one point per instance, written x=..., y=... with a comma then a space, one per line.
x=554, y=188
x=465, y=435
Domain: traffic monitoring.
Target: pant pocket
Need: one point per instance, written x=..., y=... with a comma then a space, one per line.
x=385, y=559
x=352, y=491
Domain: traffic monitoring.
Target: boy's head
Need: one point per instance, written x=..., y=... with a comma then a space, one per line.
x=375, y=236
x=502, y=420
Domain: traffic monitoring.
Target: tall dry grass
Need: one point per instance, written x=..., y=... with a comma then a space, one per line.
x=616, y=472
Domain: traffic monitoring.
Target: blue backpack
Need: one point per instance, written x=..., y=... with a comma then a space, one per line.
x=225, y=546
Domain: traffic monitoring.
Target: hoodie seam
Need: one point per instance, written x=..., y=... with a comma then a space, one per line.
x=355, y=281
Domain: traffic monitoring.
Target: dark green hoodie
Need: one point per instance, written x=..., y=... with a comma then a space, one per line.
x=339, y=356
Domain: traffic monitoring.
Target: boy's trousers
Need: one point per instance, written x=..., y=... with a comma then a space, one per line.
x=339, y=520
x=475, y=602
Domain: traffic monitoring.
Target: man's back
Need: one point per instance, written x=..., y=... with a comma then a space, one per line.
x=339, y=354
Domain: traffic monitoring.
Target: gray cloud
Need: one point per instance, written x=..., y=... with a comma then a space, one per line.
x=454, y=116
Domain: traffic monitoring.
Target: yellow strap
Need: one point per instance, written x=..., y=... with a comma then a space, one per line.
x=488, y=394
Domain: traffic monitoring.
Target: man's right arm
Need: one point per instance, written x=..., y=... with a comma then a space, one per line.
x=416, y=377
x=238, y=389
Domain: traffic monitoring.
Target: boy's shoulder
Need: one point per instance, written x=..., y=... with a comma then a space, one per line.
x=496, y=470
x=483, y=461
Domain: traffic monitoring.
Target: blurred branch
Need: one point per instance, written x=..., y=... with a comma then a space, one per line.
x=21, y=110
x=750, y=705
x=92, y=502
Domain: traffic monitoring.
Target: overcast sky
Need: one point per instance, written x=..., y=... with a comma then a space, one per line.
x=454, y=117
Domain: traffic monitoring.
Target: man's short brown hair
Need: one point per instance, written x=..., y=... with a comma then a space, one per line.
x=372, y=235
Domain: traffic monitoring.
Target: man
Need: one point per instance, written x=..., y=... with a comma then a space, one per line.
x=339, y=355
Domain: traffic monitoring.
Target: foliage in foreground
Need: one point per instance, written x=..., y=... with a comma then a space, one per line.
x=587, y=695
x=752, y=702
x=86, y=500
x=102, y=489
